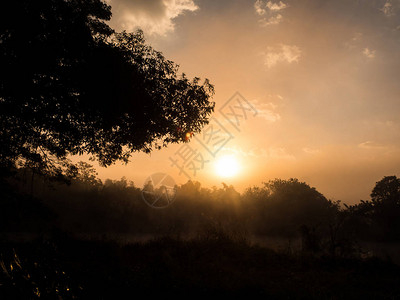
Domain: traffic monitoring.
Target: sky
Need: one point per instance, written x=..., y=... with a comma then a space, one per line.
x=317, y=79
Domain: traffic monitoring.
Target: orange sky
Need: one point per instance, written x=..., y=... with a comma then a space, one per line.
x=323, y=77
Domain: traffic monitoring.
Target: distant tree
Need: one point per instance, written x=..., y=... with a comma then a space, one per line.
x=283, y=206
x=87, y=174
x=386, y=192
x=69, y=84
x=385, y=208
x=148, y=186
x=379, y=218
x=227, y=195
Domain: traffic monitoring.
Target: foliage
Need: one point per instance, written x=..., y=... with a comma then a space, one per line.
x=87, y=174
x=386, y=191
x=87, y=245
x=71, y=85
x=281, y=207
x=381, y=215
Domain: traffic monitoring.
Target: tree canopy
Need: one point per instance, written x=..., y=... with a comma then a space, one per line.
x=387, y=191
x=381, y=213
x=71, y=85
x=282, y=206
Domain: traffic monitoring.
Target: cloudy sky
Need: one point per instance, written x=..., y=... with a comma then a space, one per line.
x=319, y=82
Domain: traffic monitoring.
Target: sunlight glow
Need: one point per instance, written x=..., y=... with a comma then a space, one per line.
x=188, y=135
x=227, y=166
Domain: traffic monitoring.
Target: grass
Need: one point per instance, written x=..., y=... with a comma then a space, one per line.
x=212, y=264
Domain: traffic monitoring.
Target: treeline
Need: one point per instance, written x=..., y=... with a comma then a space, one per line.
x=279, y=208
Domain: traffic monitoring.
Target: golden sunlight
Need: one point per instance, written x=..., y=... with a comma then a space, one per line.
x=227, y=166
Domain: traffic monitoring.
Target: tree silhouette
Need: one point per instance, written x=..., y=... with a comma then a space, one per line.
x=379, y=217
x=386, y=191
x=385, y=207
x=71, y=85
x=283, y=206
x=87, y=174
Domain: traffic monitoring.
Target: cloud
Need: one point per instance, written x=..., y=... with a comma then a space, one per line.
x=387, y=9
x=254, y=152
x=369, y=53
x=263, y=8
x=371, y=145
x=153, y=16
x=354, y=41
x=271, y=21
x=283, y=53
x=267, y=111
x=311, y=151
x=357, y=43
x=258, y=6
x=279, y=153
x=276, y=6
x=269, y=11
x=270, y=153
x=357, y=36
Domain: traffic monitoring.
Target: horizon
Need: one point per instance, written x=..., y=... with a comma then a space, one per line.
x=323, y=77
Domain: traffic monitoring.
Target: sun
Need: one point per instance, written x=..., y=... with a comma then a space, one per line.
x=227, y=166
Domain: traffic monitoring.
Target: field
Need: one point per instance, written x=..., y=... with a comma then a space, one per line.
x=213, y=264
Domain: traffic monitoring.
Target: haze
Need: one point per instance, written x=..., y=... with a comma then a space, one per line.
x=322, y=75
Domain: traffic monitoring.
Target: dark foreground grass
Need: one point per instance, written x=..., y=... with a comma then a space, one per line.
x=66, y=268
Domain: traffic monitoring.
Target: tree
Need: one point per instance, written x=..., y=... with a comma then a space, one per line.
x=379, y=217
x=71, y=85
x=386, y=192
x=87, y=174
x=283, y=206
x=385, y=208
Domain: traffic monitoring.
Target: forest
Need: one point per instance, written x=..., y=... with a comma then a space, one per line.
x=90, y=239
